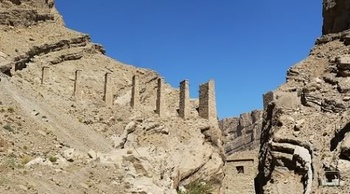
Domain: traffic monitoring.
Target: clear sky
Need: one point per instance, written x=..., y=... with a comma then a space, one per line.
x=245, y=46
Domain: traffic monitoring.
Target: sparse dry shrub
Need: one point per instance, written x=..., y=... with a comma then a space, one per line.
x=53, y=159
x=8, y=128
x=10, y=110
x=197, y=187
x=26, y=159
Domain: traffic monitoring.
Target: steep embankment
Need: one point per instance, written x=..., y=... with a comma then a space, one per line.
x=305, y=129
x=60, y=135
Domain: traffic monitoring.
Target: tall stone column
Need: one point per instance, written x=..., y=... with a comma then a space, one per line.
x=184, y=99
x=207, y=101
x=160, y=109
x=108, y=93
x=77, y=85
x=135, y=93
x=45, y=75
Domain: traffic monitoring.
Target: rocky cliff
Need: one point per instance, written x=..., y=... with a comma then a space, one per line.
x=60, y=134
x=242, y=133
x=305, y=140
x=241, y=137
x=336, y=14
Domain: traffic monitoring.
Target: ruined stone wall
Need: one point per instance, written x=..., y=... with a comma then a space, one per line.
x=241, y=133
x=207, y=102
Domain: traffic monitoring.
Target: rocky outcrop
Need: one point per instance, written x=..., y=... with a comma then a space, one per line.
x=336, y=14
x=23, y=17
x=71, y=49
x=26, y=13
x=242, y=133
x=305, y=126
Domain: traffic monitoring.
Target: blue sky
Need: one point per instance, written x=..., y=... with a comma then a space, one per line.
x=245, y=46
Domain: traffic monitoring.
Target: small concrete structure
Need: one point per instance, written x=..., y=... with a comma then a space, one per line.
x=108, y=93
x=332, y=179
x=135, y=93
x=45, y=75
x=160, y=104
x=240, y=170
x=207, y=102
x=77, y=85
x=184, y=104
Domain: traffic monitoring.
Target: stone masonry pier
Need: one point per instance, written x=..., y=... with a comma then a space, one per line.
x=206, y=108
x=207, y=102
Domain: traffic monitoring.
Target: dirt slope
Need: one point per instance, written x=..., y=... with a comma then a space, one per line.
x=54, y=142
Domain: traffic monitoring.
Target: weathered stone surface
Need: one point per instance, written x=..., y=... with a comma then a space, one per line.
x=288, y=101
x=344, y=85
x=306, y=133
x=241, y=169
x=242, y=133
x=245, y=119
x=343, y=65
x=27, y=12
x=268, y=98
x=335, y=16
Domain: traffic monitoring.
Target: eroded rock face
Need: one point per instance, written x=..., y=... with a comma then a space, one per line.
x=242, y=133
x=336, y=16
x=38, y=4
x=27, y=12
x=305, y=133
